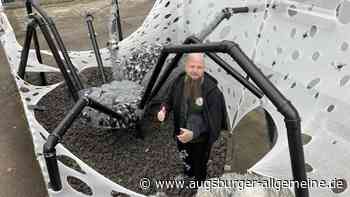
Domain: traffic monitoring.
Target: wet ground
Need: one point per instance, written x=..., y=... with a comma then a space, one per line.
x=18, y=168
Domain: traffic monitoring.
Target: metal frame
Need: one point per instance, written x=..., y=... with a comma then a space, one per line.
x=283, y=105
x=35, y=21
x=54, y=138
x=46, y=24
x=71, y=78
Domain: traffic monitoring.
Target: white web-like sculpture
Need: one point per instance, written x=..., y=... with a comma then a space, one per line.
x=301, y=45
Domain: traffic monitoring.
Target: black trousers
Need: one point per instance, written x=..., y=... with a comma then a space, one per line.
x=195, y=157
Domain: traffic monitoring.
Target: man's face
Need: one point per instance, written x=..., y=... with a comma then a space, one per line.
x=195, y=66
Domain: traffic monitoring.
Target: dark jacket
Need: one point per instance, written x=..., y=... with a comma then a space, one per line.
x=215, y=113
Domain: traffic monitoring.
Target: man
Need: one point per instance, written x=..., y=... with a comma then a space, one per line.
x=199, y=114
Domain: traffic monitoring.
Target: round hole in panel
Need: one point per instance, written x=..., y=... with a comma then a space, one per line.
x=344, y=80
x=313, y=30
x=167, y=16
x=342, y=12
x=292, y=10
x=211, y=5
x=156, y=16
x=24, y=89
x=305, y=138
x=317, y=95
x=330, y=108
x=79, y=185
x=316, y=55
x=293, y=85
x=279, y=50
x=344, y=46
x=118, y=194
x=176, y=19
x=275, y=28
x=295, y=55
x=313, y=83
x=308, y=167
x=167, y=4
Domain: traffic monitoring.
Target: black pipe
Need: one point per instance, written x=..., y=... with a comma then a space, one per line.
x=217, y=59
x=284, y=106
x=36, y=43
x=54, y=138
x=120, y=32
x=193, y=48
x=65, y=124
x=52, y=169
x=71, y=69
x=28, y=5
x=39, y=58
x=92, y=34
x=98, y=106
x=72, y=88
x=225, y=13
x=207, y=48
x=26, y=47
x=173, y=64
x=153, y=78
x=223, y=64
x=238, y=10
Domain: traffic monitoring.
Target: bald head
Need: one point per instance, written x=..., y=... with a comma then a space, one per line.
x=195, y=65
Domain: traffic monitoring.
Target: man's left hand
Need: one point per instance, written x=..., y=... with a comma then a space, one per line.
x=185, y=135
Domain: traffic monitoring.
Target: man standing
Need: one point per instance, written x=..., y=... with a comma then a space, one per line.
x=199, y=114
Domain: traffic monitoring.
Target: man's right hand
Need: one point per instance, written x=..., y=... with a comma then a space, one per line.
x=161, y=114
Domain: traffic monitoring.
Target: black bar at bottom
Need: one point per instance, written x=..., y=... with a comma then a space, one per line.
x=25, y=50
x=53, y=171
